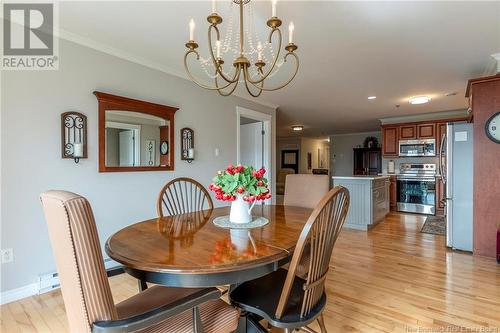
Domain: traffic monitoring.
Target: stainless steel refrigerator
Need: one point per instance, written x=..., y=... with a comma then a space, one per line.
x=456, y=166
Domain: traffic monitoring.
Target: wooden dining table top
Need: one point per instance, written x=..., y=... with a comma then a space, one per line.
x=192, y=244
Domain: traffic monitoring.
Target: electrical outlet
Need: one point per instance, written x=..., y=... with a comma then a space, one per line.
x=7, y=255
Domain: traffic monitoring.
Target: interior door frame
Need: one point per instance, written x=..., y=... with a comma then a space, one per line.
x=268, y=148
x=137, y=142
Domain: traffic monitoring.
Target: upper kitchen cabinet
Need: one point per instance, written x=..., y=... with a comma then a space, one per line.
x=394, y=133
x=390, y=141
x=426, y=131
x=407, y=132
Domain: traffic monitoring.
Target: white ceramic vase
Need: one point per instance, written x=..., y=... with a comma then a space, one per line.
x=241, y=211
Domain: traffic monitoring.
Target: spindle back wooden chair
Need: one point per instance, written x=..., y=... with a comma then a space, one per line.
x=183, y=195
x=301, y=300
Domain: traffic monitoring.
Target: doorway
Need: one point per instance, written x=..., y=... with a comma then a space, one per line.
x=254, y=140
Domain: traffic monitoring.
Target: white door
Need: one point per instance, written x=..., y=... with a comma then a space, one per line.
x=251, y=147
x=127, y=147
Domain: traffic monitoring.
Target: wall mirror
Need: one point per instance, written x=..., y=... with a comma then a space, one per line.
x=134, y=135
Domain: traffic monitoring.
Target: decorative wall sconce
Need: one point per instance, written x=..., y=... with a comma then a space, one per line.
x=187, y=144
x=73, y=135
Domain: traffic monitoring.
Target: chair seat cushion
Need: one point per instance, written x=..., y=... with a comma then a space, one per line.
x=216, y=316
x=261, y=297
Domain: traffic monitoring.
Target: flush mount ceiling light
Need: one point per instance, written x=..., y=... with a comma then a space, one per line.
x=419, y=100
x=250, y=60
x=298, y=127
x=372, y=97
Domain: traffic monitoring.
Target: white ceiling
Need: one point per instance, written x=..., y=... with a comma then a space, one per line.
x=348, y=51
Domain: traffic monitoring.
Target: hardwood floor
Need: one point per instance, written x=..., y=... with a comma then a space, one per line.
x=391, y=279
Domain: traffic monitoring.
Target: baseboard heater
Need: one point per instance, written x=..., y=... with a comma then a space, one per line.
x=50, y=281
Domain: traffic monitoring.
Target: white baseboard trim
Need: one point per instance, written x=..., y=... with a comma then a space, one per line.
x=51, y=282
x=18, y=293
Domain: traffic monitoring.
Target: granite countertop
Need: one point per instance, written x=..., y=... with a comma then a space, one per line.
x=360, y=177
x=397, y=174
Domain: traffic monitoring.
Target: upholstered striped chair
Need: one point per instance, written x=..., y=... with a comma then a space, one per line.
x=87, y=294
x=305, y=190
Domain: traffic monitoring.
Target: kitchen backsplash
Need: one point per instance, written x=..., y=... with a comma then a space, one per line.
x=399, y=160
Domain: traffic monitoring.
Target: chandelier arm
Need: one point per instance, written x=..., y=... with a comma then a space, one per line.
x=233, y=81
x=217, y=65
x=247, y=86
x=221, y=91
x=264, y=76
x=289, y=80
x=194, y=79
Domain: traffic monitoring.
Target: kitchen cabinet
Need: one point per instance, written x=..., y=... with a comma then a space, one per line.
x=484, y=95
x=391, y=134
x=367, y=161
x=407, y=132
x=390, y=141
x=393, y=192
x=426, y=131
x=370, y=197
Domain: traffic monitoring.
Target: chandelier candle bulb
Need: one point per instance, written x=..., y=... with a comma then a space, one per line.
x=259, y=49
x=214, y=6
x=191, y=29
x=273, y=14
x=217, y=44
x=291, y=27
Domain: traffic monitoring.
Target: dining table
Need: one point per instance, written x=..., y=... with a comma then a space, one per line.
x=190, y=251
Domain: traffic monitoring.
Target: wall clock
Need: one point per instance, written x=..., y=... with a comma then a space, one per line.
x=164, y=147
x=492, y=128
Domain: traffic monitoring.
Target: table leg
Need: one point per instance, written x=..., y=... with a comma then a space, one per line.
x=249, y=324
x=142, y=285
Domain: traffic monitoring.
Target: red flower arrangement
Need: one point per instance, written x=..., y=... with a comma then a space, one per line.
x=240, y=180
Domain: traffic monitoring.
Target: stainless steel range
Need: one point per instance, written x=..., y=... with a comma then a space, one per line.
x=416, y=187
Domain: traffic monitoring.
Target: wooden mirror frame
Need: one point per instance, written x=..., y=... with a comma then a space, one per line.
x=108, y=102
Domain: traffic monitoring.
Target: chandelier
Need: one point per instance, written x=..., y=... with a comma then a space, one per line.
x=253, y=62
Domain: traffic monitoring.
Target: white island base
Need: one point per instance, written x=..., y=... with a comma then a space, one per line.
x=369, y=200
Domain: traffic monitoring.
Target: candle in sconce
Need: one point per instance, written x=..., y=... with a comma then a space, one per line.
x=191, y=29
x=291, y=27
x=273, y=14
x=191, y=153
x=78, y=150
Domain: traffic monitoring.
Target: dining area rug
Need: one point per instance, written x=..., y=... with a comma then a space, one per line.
x=434, y=225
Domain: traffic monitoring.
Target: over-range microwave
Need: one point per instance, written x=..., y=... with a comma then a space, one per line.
x=423, y=147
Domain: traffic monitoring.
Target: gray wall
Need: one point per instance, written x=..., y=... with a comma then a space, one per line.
x=341, y=152
x=32, y=102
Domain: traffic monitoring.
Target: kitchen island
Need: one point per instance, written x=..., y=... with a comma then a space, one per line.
x=369, y=200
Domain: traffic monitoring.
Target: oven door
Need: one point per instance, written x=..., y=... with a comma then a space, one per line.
x=416, y=195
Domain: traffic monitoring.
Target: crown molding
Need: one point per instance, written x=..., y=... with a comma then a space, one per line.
x=119, y=53
x=496, y=65
x=356, y=133
x=425, y=116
